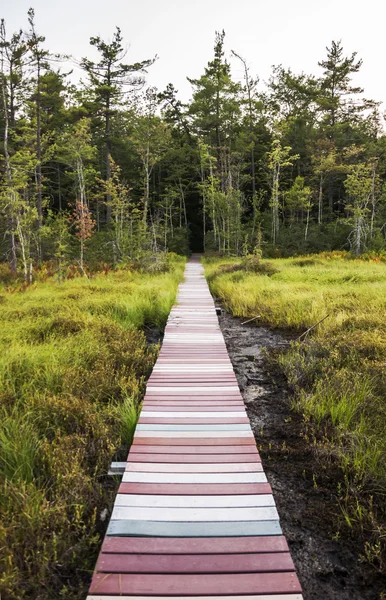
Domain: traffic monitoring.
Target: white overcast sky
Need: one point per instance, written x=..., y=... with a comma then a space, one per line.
x=181, y=32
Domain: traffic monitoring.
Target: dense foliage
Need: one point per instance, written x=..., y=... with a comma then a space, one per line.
x=108, y=169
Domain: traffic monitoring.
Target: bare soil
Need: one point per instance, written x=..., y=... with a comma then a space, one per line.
x=329, y=565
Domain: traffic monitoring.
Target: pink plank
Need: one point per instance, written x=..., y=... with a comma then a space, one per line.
x=188, y=489
x=243, y=545
x=229, y=450
x=195, y=563
x=192, y=458
x=169, y=441
x=205, y=585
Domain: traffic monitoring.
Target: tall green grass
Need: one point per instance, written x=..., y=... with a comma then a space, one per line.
x=337, y=371
x=73, y=365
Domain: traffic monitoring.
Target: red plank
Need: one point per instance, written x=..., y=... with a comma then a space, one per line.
x=204, y=585
x=191, y=489
x=195, y=563
x=238, y=545
x=193, y=458
x=169, y=441
x=144, y=448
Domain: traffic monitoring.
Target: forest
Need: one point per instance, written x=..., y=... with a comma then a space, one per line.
x=106, y=169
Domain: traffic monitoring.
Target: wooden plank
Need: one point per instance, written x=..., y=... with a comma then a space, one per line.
x=196, y=478
x=182, y=585
x=193, y=414
x=154, y=545
x=199, y=428
x=192, y=458
x=191, y=421
x=192, y=529
x=195, y=489
x=188, y=440
x=193, y=449
x=197, y=434
x=195, y=563
x=245, y=597
x=149, y=467
x=194, y=501
x=190, y=515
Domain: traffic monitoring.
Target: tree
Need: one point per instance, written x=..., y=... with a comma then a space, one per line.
x=151, y=137
x=298, y=198
x=216, y=112
x=278, y=158
x=39, y=61
x=250, y=89
x=338, y=99
x=359, y=185
x=12, y=55
x=110, y=78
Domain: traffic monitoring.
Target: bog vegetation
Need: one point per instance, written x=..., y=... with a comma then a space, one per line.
x=336, y=370
x=73, y=363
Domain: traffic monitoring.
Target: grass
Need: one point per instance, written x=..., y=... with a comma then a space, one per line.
x=337, y=371
x=73, y=365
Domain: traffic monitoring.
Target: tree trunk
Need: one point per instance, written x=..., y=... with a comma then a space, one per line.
x=8, y=170
x=39, y=150
x=320, y=202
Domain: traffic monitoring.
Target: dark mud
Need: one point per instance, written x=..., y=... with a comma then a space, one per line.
x=153, y=335
x=329, y=566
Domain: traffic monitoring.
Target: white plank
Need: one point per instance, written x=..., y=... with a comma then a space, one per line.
x=194, y=477
x=193, y=388
x=241, y=500
x=189, y=368
x=194, y=434
x=173, y=414
x=186, y=515
x=203, y=427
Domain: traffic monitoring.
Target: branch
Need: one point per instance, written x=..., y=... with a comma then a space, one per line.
x=311, y=328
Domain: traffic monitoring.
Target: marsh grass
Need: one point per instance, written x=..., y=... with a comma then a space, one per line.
x=73, y=366
x=337, y=371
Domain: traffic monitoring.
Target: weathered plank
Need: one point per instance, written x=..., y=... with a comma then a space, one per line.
x=127, y=527
x=207, y=545
x=194, y=514
x=197, y=478
x=194, y=458
x=194, y=501
x=246, y=597
x=149, y=467
x=182, y=585
x=195, y=563
x=195, y=489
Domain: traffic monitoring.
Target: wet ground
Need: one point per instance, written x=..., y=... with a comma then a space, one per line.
x=328, y=565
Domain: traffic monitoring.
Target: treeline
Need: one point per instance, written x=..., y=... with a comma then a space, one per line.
x=108, y=169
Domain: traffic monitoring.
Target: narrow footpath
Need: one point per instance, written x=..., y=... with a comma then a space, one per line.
x=194, y=514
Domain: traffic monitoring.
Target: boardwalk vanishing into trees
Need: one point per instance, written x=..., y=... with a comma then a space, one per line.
x=194, y=514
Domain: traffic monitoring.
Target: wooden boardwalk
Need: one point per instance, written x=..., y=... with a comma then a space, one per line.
x=194, y=514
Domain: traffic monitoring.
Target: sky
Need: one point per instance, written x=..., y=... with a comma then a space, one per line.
x=181, y=33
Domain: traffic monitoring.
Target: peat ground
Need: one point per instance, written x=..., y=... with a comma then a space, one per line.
x=328, y=563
